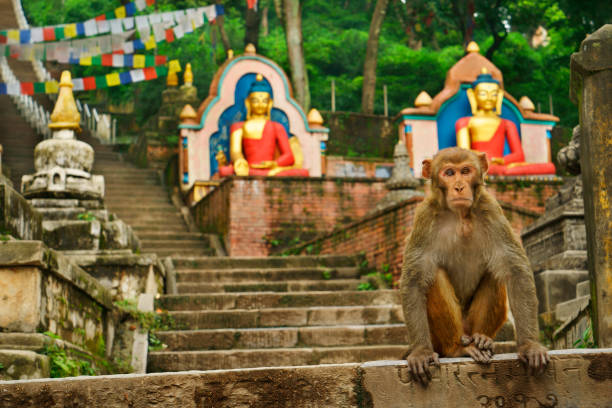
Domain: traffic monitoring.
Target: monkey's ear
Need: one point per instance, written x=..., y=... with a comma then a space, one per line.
x=484, y=163
x=426, y=171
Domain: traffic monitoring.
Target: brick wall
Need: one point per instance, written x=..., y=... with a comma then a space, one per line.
x=529, y=195
x=258, y=216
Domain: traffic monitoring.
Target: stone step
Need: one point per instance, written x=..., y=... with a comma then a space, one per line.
x=288, y=317
x=229, y=301
x=145, y=218
x=255, y=286
x=146, y=208
x=281, y=357
x=267, y=262
x=145, y=227
x=174, y=236
x=261, y=274
x=117, y=201
x=162, y=253
x=175, y=244
x=313, y=336
x=583, y=289
x=566, y=310
x=78, y=213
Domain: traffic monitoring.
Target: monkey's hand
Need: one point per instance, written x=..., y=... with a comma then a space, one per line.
x=534, y=355
x=419, y=361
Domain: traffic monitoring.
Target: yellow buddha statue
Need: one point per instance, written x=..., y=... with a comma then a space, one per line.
x=486, y=131
x=260, y=146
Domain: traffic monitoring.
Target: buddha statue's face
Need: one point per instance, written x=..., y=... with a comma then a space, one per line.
x=486, y=94
x=258, y=103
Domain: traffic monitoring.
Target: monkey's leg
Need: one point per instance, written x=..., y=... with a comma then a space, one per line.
x=487, y=312
x=444, y=316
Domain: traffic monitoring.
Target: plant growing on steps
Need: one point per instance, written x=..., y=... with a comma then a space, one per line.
x=586, y=340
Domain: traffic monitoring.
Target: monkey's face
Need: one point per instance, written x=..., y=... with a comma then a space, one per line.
x=458, y=181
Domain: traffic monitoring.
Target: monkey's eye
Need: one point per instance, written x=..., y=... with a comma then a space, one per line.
x=465, y=170
x=449, y=172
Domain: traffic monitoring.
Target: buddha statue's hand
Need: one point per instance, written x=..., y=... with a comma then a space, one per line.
x=265, y=165
x=241, y=167
x=498, y=160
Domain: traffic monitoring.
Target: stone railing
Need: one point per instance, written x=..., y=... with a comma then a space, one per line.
x=102, y=126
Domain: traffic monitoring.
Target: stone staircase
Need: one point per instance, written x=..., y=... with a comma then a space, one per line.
x=276, y=311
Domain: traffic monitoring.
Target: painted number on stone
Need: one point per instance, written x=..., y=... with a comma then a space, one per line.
x=518, y=401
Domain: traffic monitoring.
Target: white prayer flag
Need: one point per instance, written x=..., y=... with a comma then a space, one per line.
x=25, y=52
x=103, y=26
x=128, y=47
x=155, y=18
x=167, y=17
x=13, y=88
x=36, y=35
x=105, y=44
x=39, y=52
x=137, y=75
x=186, y=25
x=178, y=14
x=159, y=32
x=91, y=28
x=145, y=33
x=198, y=19
x=178, y=31
x=128, y=23
x=118, y=60
x=142, y=22
x=51, y=47
x=116, y=26
x=117, y=43
x=62, y=53
x=211, y=12
x=77, y=84
x=140, y=4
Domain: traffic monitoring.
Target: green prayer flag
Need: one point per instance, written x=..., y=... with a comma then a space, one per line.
x=161, y=70
x=101, y=82
x=149, y=60
x=59, y=33
x=39, y=87
x=96, y=60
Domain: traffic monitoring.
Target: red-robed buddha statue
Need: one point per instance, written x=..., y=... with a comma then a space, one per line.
x=487, y=132
x=260, y=146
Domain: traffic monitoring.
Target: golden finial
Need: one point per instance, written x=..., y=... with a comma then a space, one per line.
x=314, y=118
x=65, y=114
x=423, y=99
x=526, y=104
x=172, y=79
x=259, y=77
x=250, y=49
x=230, y=54
x=472, y=47
x=188, y=115
x=188, y=76
x=484, y=71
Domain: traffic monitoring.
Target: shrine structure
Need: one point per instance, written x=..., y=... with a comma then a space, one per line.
x=432, y=124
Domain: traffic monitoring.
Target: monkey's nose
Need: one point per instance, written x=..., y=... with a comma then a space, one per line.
x=459, y=188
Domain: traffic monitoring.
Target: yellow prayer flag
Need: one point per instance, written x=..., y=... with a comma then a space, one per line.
x=174, y=66
x=120, y=12
x=150, y=43
x=85, y=61
x=113, y=79
x=139, y=61
x=13, y=35
x=70, y=31
x=51, y=87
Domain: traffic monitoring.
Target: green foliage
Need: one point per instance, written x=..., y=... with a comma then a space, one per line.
x=326, y=274
x=86, y=216
x=366, y=286
x=586, y=341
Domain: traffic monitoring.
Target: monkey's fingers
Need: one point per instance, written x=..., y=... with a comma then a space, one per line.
x=416, y=370
x=466, y=340
x=436, y=360
x=477, y=355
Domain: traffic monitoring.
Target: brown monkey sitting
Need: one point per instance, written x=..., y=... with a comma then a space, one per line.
x=459, y=259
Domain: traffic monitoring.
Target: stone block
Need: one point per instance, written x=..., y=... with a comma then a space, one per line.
x=17, y=216
x=68, y=235
x=332, y=336
x=583, y=288
x=23, y=365
x=21, y=300
x=557, y=286
x=575, y=378
x=282, y=317
x=566, y=310
x=576, y=259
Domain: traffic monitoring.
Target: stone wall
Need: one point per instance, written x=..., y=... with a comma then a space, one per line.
x=258, y=216
x=17, y=217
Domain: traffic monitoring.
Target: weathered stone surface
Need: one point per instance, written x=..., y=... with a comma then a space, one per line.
x=63, y=235
x=23, y=365
x=575, y=378
x=590, y=87
x=21, y=298
x=557, y=286
x=17, y=217
x=292, y=387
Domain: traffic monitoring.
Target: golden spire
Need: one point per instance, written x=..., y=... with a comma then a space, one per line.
x=188, y=115
x=484, y=71
x=314, y=118
x=65, y=114
x=188, y=76
x=423, y=99
x=230, y=54
x=526, y=104
x=172, y=79
x=250, y=49
x=472, y=47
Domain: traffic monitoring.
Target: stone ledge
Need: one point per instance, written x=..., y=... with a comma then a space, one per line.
x=575, y=378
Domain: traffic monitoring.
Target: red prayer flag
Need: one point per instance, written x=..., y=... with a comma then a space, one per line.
x=252, y=3
x=160, y=59
x=89, y=83
x=101, y=17
x=49, y=34
x=150, y=2
x=169, y=35
x=27, y=88
x=150, y=73
x=107, y=60
x=3, y=39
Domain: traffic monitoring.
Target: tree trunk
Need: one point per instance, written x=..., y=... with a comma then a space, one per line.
x=264, y=22
x=251, y=32
x=222, y=33
x=371, y=59
x=295, y=49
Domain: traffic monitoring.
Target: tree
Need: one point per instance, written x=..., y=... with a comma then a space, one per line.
x=371, y=59
x=295, y=50
x=252, y=22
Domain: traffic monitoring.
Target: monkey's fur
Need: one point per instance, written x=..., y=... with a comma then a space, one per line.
x=460, y=258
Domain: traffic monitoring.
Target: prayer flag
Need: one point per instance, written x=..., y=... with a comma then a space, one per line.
x=154, y=18
x=160, y=59
x=150, y=73
x=219, y=9
x=103, y=27
x=137, y=75
x=101, y=82
x=150, y=44
x=91, y=28
x=24, y=36
x=130, y=9
x=27, y=88
x=39, y=87
x=120, y=12
x=78, y=84
x=48, y=34
x=178, y=31
x=96, y=60
x=70, y=31
x=116, y=26
x=139, y=61
x=128, y=23
x=167, y=17
x=125, y=78
x=149, y=60
x=110, y=15
x=51, y=87
x=129, y=60
x=101, y=17
x=161, y=71
x=169, y=35
x=89, y=83
x=129, y=47
x=118, y=60
x=113, y=79
x=150, y=2
x=80, y=28
x=13, y=88
x=86, y=61
x=2, y=89
x=37, y=35
x=13, y=36
x=59, y=33
x=140, y=4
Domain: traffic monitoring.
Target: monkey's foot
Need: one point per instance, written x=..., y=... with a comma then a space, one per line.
x=480, y=356
x=483, y=342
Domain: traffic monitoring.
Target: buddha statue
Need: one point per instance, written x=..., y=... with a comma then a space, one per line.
x=487, y=132
x=260, y=146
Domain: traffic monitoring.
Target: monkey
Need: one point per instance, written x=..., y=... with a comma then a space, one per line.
x=459, y=259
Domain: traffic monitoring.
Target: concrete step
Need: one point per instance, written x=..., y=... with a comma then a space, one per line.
x=174, y=236
x=185, y=244
x=145, y=227
x=257, y=286
x=583, y=289
x=267, y=262
x=281, y=357
x=229, y=301
x=162, y=253
x=566, y=310
x=289, y=317
x=315, y=336
x=262, y=274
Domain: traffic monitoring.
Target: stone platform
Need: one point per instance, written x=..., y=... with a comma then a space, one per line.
x=575, y=378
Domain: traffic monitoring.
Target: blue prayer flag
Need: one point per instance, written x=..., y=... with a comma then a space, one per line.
x=125, y=78
x=80, y=29
x=128, y=60
x=2, y=89
x=130, y=9
x=138, y=44
x=219, y=9
x=74, y=60
x=24, y=36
